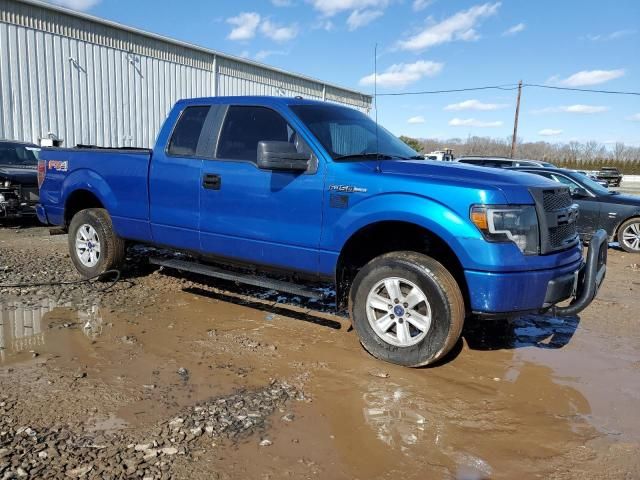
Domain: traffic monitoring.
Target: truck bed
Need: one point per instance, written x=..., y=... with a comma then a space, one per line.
x=121, y=181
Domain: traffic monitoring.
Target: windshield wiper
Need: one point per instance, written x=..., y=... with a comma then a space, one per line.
x=375, y=156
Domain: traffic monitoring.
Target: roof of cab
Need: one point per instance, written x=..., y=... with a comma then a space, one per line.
x=255, y=100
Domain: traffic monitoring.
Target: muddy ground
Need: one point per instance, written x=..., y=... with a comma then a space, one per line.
x=170, y=376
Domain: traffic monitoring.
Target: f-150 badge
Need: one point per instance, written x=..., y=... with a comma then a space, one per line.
x=346, y=189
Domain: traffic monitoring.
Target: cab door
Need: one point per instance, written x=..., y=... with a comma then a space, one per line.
x=259, y=216
x=174, y=181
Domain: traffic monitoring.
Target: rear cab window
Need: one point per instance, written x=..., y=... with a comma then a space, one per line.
x=188, y=132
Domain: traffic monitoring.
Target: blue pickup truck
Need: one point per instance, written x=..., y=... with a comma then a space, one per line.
x=319, y=192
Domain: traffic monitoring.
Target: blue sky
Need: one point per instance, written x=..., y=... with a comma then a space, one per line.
x=431, y=45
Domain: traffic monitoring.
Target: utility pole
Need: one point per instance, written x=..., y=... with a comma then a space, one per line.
x=515, y=122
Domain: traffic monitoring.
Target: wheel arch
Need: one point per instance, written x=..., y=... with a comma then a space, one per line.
x=372, y=240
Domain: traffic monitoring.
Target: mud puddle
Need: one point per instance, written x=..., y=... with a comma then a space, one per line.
x=520, y=398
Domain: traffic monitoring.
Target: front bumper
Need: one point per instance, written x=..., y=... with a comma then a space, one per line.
x=510, y=294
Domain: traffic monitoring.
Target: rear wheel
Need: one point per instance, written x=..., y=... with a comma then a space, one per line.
x=407, y=308
x=93, y=245
x=629, y=235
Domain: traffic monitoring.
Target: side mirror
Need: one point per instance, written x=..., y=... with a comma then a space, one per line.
x=281, y=156
x=579, y=192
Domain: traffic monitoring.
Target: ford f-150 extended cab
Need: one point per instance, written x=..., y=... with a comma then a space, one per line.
x=320, y=192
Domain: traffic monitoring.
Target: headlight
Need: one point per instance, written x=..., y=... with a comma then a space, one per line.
x=6, y=183
x=1, y=198
x=509, y=223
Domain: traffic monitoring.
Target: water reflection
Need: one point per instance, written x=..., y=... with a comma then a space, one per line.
x=395, y=415
x=24, y=324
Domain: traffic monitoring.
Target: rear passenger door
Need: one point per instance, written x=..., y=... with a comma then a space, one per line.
x=174, y=181
x=259, y=216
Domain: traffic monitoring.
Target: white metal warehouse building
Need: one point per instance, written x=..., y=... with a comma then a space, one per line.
x=92, y=81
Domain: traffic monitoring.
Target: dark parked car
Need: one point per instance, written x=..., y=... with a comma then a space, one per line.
x=501, y=162
x=611, y=175
x=18, y=179
x=618, y=214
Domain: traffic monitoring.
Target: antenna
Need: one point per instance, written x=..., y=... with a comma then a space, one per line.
x=375, y=103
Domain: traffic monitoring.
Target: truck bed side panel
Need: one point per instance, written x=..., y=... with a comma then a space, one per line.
x=118, y=178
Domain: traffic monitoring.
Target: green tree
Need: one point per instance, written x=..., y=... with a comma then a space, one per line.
x=413, y=143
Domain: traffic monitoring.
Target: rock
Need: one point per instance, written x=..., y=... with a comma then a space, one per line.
x=150, y=453
x=141, y=447
x=266, y=443
x=379, y=374
x=79, y=472
x=42, y=455
x=4, y=452
x=21, y=472
x=169, y=450
x=183, y=372
x=288, y=417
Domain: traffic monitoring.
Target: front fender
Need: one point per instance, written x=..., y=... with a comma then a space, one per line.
x=410, y=208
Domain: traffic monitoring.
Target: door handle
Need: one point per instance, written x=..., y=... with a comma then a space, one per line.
x=211, y=181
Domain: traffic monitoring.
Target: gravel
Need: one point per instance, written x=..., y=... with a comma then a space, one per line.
x=57, y=452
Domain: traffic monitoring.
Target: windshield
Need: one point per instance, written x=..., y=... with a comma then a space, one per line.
x=18, y=155
x=592, y=184
x=345, y=132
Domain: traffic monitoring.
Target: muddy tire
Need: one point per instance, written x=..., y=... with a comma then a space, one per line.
x=629, y=235
x=93, y=245
x=407, y=309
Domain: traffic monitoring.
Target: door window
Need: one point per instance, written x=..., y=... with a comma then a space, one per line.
x=186, y=135
x=245, y=126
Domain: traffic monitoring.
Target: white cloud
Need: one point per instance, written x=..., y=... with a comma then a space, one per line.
x=264, y=54
x=475, y=105
x=460, y=26
x=402, y=74
x=588, y=77
x=634, y=118
x=279, y=33
x=611, y=36
x=245, y=26
x=81, y=5
x=578, y=108
x=472, y=122
x=515, y=29
x=360, y=18
x=549, y=132
x=419, y=5
x=332, y=7
x=416, y=120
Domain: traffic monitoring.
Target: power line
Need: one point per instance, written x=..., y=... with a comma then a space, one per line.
x=506, y=87
x=613, y=92
x=428, y=92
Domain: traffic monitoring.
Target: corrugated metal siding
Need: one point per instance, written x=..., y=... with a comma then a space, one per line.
x=87, y=93
x=93, y=83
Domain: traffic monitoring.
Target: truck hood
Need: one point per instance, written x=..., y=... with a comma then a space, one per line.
x=20, y=175
x=514, y=185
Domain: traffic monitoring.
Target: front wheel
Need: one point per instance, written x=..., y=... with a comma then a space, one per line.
x=629, y=235
x=93, y=245
x=407, y=309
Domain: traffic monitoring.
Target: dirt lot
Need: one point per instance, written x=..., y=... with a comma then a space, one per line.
x=167, y=377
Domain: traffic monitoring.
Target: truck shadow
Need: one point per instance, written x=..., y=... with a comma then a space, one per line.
x=540, y=331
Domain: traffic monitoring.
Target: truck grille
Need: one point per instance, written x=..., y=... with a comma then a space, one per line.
x=555, y=201
x=557, y=215
x=561, y=235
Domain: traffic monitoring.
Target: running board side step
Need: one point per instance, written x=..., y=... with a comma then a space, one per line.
x=262, y=282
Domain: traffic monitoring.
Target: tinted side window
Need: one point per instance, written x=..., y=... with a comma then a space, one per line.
x=184, y=141
x=244, y=127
